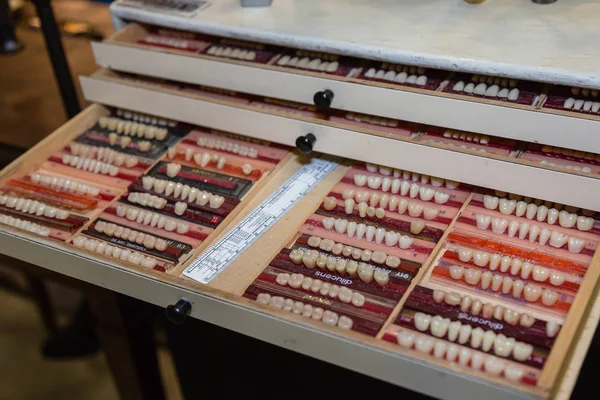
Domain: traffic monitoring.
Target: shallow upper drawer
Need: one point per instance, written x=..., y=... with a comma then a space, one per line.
x=356, y=86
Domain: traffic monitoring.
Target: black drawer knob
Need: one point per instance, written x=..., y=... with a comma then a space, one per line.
x=178, y=312
x=323, y=99
x=305, y=143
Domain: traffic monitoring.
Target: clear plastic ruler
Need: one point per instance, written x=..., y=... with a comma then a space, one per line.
x=221, y=254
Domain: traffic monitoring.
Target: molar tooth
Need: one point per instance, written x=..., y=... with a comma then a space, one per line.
x=340, y=225
x=405, y=242
x=374, y=182
x=381, y=277
x=430, y=213
x=391, y=238
x=406, y=339
x=499, y=225
x=483, y=221
x=481, y=258
x=522, y=351
x=576, y=245
x=439, y=326
x=424, y=344
x=439, y=296
x=456, y=272
x=495, y=366
x=566, y=219
x=360, y=179
x=532, y=292
x=472, y=276
x=540, y=274
x=585, y=223
x=365, y=272
x=415, y=209
x=173, y=169
x=441, y=197
x=416, y=227
x=549, y=297
x=426, y=194
x=507, y=207
x=558, y=239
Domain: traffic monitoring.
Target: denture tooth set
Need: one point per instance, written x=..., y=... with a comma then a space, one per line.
x=121, y=202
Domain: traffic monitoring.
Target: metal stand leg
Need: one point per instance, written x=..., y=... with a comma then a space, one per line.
x=55, y=49
x=9, y=44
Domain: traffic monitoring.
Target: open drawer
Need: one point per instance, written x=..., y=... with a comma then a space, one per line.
x=372, y=251
x=400, y=145
x=206, y=60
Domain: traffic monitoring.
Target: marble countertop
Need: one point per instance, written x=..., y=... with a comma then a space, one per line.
x=557, y=43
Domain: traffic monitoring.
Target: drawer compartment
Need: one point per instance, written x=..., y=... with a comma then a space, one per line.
x=127, y=52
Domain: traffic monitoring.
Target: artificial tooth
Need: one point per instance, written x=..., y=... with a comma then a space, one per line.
x=180, y=208
x=499, y=225
x=494, y=261
x=322, y=261
x=402, y=206
x=340, y=225
x=416, y=227
x=476, y=337
x=481, y=258
x=499, y=313
x=370, y=211
x=549, y=297
x=566, y=219
x=521, y=208
x=483, y=221
x=360, y=180
x=507, y=207
x=405, y=188
x=358, y=299
x=391, y=238
x=439, y=349
x=366, y=255
x=552, y=328
x=362, y=209
x=370, y=233
x=374, y=182
x=542, y=213
x=365, y=272
x=489, y=337
x=544, y=235
x=386, y=184
x=405, y=339
x=439, y=296
x=513, y=227
x=381, y=277
x=486, y=279
x=296, y=256
x=452, y=298
x=414, y=191
x=415, y=209
x=532, y=292
x=513, y=373
x=426, y=194
x=496, y=282
x=456, y=272
x=531, y=211
x=556, y=278
x=439, y=326
x=405, y=242
x=441, y=197
x=430, y=213
x=329, y=203
x=328, y=223
x=465, y=303
x=575, y=245
x=558, y=240
x=349, y=206
x=362, y=196
x=173, y=169
x=534, y=231
x=454, y=330
x=517, y=288
x=424, y=344
x=522, y=351
x=494, y=366
x=540, y=274
x=472, y=276
x=361, y=230
x=326, y=245
x=476, y=307
x=488, y=311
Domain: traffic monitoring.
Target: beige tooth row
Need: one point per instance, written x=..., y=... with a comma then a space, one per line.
x=400, y=77
x=487, y=340
x=103, y=154
x=411, y=176
x=458, y=146
x=365, y=272
x=315, y=54
x=147, y=200
x=202, y=159
x=152, y=219
x=183, y=192
x=566, y=167
x=33, y=207
x=512, y=265
x=167, y=41
x=531, y=292
x=25, y=225
x=317, y=286
x=477, y=307
x=89, y=164
x=469, y=137
x=532, y=232
x=61, y=183
x=495, y=80
x=227, y=146
x=378, y=257
x=145, y=118
x=368, y=201
x=306, y=63
x=464, y=356
x=394, y=186
x=231, y=52
x=132, y=128
x=541, y=213
x=571, y=153
x=368, y=232
x=120, y=232
x=125, y=141
x=371, y=119
x=100, y=247
x=306, y=310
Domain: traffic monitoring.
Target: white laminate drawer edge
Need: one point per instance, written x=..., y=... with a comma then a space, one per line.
x=387, y=366
x=530, y=181
x=496, y=120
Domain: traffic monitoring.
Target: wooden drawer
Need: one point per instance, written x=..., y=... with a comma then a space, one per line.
x=351, y=141
x=124, y=52
x=226, y=300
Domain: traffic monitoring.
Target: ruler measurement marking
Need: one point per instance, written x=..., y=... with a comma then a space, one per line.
x=222, y=253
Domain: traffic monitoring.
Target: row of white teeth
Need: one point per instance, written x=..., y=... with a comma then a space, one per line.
x=167, y=41
x=584, y=92
x=487, y=311
x=328, y=245
x=230, y=52
x=531, y=232
x=317, y=286
x=403, y=187
x=513, y=265
x=482, y=89
x=571, y=153
x=203, y=158
x=132, y=128
x=61, y=183
x=120, y=232
x=365, y=272
x=306, y=63
x=566, y=167
x=455, y=353
x=25, y=225
x=401, y=77
x=125, y=141
x=145, y=118
x=90, y=165
x=152, y=219
x=458, y=146
x=578, y=105
x=540, y=213
x=469, y=137
x=412, y=176
x=539, y=202
x=147, y=200
x=33, y=207
x=229, y=147
x=103, y=154
x=101, y=247
x=531, y=292
x=315, y=54
x=184, y=192
x=464, y=333
x=368, y=232
x=371, y=119
x=306, y=310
